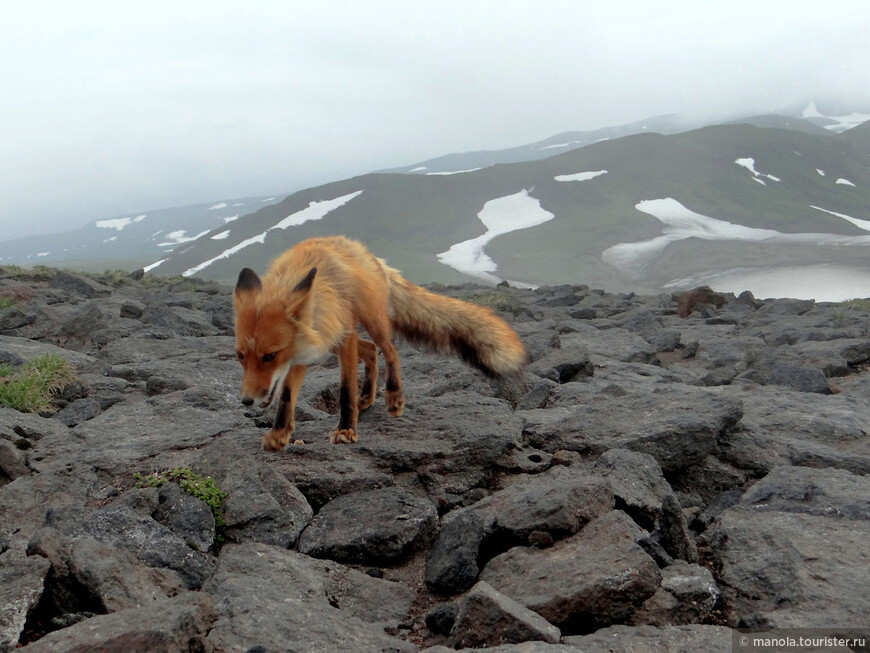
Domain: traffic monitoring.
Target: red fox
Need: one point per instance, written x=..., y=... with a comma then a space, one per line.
x=309, y=303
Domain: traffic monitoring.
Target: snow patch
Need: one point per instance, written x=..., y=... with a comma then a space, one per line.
x=148, y=268
x=41, y=254
x=580, y=176
x=844, y=182
x=500, y=216
x=108, y=240
x=861, y=224
x=314, y=211
x=821, y=172
x=557, y=145
x=682, y=223
x=418, y=169
x=118, y=223
x=749, y=164
x=268, y=199
x=219, y=205
x=221, y=236
x=175, y=238
x=453, y=172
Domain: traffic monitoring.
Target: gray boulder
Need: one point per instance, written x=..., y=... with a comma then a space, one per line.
x=595, y=578
x=276, y=599
x=489, y=618
x=371, y=527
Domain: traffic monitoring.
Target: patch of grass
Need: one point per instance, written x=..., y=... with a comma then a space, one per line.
x=30, y=387
x=496, y=300
x=201, y=487
x=6, y=302
x=856, y=304
x=34, y=273
x=115, y=278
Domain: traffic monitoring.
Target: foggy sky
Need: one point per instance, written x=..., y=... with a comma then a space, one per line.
x=111, y=108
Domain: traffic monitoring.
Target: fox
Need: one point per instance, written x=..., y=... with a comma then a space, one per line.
x=310, y=303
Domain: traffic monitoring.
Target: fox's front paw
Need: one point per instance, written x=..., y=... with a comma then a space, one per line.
x=395, y=402
x=275, y=440
x=343, y=436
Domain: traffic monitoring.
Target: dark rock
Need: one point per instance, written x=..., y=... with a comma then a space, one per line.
x=537, y=395
x=637, y=483
x=791, y=570
x=674, y=533
x=132, y=309
x=786, y=306
x=21, y=586
x=317, y=605
x=802, y=379
x=90, y=576
x=186, y=516
x=524, y=460
x=678, y=428
x=691, y=300
x=653, y=639
x=489, y=618
x=828, y=492
x=78, y=411
x=11, y=464
x=262, y=505
x=558, y=502
x=564, y=365
x=373, y=527
x=151, y=542
x=451, y=564
x=440, y=619
x=595, y=578
x=78, y=284
x=176, y=624
x=688, y=595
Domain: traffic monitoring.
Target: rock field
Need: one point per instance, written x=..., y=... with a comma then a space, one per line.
x=655, y=483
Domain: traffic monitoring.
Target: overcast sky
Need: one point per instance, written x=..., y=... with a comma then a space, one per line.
x=111, y=108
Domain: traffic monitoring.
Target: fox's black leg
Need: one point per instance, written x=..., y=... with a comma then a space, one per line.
x=348, y=396
x=279, y=436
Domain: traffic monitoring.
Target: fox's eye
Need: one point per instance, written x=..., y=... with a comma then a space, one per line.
x=268, y=358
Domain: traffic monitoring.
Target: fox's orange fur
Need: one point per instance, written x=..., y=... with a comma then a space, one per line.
x=309, y=303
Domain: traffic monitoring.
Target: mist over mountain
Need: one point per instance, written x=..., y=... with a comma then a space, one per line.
x=649, y=206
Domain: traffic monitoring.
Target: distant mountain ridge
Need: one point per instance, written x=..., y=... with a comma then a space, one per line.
x=646, y=211
x=132, y=240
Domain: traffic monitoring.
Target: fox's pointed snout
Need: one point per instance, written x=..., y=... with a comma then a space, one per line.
x=247, y=401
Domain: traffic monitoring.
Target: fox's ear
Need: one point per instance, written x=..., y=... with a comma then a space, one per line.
x=305, y=284
x=247, y=286
x=300, y=296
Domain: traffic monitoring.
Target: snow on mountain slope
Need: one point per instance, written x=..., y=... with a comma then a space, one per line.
x=500, y=216
x=314, y=211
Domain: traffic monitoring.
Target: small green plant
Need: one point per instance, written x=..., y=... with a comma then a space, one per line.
x=30, y=387
x=6, y=302
x=201, y=487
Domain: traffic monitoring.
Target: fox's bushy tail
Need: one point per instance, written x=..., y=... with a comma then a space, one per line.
x=448, y=325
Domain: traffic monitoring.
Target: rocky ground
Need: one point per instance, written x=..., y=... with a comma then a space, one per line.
x=659, y=481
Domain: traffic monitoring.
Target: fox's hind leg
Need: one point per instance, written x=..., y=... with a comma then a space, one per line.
x=348, y=396
x=279, y=436
x=368, y=354
x=379, y=330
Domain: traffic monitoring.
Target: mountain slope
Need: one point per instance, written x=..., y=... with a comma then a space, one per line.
x=746, y=195
x=558, y=144
x=127, y=242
